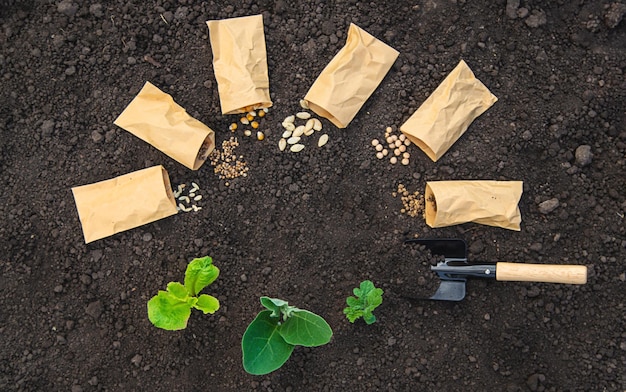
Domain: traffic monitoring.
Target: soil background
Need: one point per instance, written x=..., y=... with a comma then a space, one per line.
x=308, y=227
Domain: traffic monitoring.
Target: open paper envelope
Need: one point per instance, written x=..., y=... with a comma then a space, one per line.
x=240, y=63
x=124, y=202
x=154, y=117
x=493, y=203
x=448, y=112
x=351, y=77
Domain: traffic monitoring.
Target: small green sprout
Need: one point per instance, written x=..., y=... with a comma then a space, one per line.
x=171, y=309
x=271, y=337
x=368, y=297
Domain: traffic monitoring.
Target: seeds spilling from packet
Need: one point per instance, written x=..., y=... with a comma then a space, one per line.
x=396, y=147
x=187, y=198
x=294, y=134
x=413, y=203
x=250, y=120
x=226, y=163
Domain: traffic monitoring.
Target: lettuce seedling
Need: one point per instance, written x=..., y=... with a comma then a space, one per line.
x=171, y=309
x=271, y=337
x=368, y=297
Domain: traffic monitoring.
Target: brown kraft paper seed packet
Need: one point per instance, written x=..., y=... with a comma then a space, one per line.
x=125, y=202
x=351, y=77
x=240, y=63
x=493, y=203
x=447, y=113
x=155, y=118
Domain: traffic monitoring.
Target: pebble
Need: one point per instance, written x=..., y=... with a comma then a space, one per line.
x=136, y=360
x=548, y=206
x=583, y=155
x=67, y=8
x=96, y=136
x=94, y=309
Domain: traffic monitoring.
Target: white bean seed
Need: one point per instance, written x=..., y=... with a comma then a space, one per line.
x=199, y=197
x=397, y=152
x=303, y=115
x=379, y=155
x=385, y=152
x=309, y=124
x=289, y=126
x=406, y=155
x=304, y=104
x=298, y=131
x=289, y=119
x=393, y=160
x=287, y=134
x=402, y=148
x=317, y=124
x=405, y=161
x=375, y=142
x=323, y=140
x=293, y=140
x=282, y=144
x=379, y=147
x=296, y=148
x=398, y=142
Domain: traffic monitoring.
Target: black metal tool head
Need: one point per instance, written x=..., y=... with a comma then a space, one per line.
x=454, y=251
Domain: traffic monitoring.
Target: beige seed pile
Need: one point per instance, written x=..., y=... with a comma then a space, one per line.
x=225, y=162
x=396, y=144
x=293, y=135
x=413, y=203
x=250, y=119
x=187, y=198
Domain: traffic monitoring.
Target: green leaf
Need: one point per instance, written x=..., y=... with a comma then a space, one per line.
x=168, y=312
x=368, y=298
x=305, y=328
x=178, y=290
x=278, y=307
x=199, y=274
x=207, y=304
x=264, y=349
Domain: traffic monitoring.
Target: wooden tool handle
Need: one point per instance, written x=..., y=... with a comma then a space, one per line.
x=549, y=273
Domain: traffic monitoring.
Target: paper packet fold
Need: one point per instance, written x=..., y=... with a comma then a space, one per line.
x=493, y=203
x=350, y=77
x=447, y=113
x=125, y=202
x=154, y=117
x=240, y=63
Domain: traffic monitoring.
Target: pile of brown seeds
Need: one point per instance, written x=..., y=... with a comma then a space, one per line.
x=226, y=164
x=413, y=202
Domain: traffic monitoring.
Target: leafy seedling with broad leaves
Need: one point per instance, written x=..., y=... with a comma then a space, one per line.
x=271, y=337
x=368, y=297
x=171, y=309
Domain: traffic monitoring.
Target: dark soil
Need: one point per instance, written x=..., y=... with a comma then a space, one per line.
x=308, y=227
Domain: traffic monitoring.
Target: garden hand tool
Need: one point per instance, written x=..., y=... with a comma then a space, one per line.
x=455, y=269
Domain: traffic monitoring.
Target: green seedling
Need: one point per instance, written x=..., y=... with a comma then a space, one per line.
x=368, y=297
x=171, y=309
x=271, y=337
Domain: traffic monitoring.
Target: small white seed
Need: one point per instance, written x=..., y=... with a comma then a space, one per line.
x=184, y=198
x=379, y=147
x=317, y=124
x=309, y=124
x=289, y=126
x=244, y=121
x=286, y=134
x=289, y=119
x=393, y=160
x=247, y=132
x=192, y=194
x=375, y=142
x=407, y=142
x=402, y=148
x=388, y=129
x=397, y=152
x=406, y=155
x=385, y=152
x=296, y=148
x=405, y=161
x=402, y=137
x=309, y=132
x=252, y=113
x=181, y=207
x=394, y=137
x=303, y=115
x=323, y=140
x=389, y=140
x=199, y=197
x=304, y=104
x=398, y=142
x=379, y=155
x=282, y=144
x=194, y=186
x=298, y=131
x=176, y=194
x=293, y=140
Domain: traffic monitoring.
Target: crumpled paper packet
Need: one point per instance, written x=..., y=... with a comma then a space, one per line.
x=447, y=113
x=351, y=77
x=125, y=202
x=493, y=203
x=240, y=63
x=154, y=117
